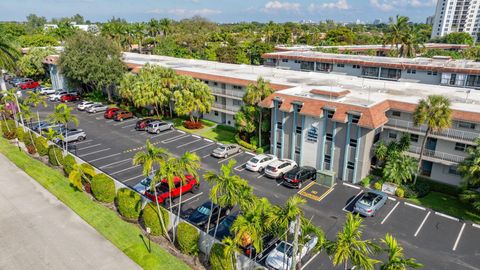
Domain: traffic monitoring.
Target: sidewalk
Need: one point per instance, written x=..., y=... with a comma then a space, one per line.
x=37, y=231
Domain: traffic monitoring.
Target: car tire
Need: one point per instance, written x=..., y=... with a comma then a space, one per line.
x=280, y=176
x=81, y=138
x=299, y=185
x=261, y=169
x=158, y=131
x=195, y=189
x=225, y=156
x=121, y=119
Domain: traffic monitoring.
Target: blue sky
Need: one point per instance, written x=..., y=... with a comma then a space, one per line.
x=221, y=10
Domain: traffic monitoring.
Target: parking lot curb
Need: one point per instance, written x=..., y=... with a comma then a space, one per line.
x=415, y=206
x=350, y=185
x=476, y=225
x=447, y=216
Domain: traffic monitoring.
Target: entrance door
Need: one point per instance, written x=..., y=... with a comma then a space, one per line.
x=426, y=168
x=431, y=144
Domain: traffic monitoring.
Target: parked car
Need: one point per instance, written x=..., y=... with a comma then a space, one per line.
x=158, y=126
x=122, y=115
x=31, y=84
x=47, y=91
x=296, y=176
x=281, y=257
x=279, y=167
x=56, y=96
x=37, y=125
x=69, y=98
x=73, y=135
x=143, y=123
x=224, y=227
x=269, y=241
x=58, y=128
x=18, y=81
x=110, y=113
x=85, y=105
x=259, y=162
x=199, y=217
x=164, y=193
x=370, y=202
x=97, y=108
x=223, y=151
x=143, y=186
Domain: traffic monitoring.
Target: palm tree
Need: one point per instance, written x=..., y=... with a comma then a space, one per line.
x=81, y=173
x=230, y=248
x=411, y=42
x=400, y=169
x=395, y=31
x=166, y=26
x=149, y=158
x=35, y=99
x=188, y=164
x=10, y=97
x=63, y=115
x=8, y=55
x=396, y=259
x=51, y=135
x=469, y=168
x=435, y=112
x=349, y=246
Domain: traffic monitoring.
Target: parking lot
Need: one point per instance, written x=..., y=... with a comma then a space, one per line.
x=436, y=240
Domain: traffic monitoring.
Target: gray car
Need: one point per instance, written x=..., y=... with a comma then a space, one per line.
x=97, y=108
x=74, y=135
x=370, y=203
x=158, y=126
x=223, y=151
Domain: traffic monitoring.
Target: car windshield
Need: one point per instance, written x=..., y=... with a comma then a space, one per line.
x=221, y=148
x=254, y=160
x=145, y=182
x=367, y=199
x=285, y=248
x=204, y=210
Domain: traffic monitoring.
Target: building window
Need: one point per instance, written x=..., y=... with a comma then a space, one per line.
x=376, y=138
x=215, y=83
x=330, y=114
x=329, y=137
x=411, y=71
x=355, y=119
x=297, y=61
x=350, y=165
x=453, y=170
x=216, y=99
x=356, y=66
x=413, y=137
x=285, y=60
x=392, y=135
x=279, y=104
x=298, y=130
x=237, y=87
x=466, y=125
x=297, y=150
x=327, y=158
x=396, y=113
x=460, y=147
x=341, y=65
x=279, y=145
x=237, y=102
x=353, y=142
x=206, y=82
x=279, y=125
x=215, y=113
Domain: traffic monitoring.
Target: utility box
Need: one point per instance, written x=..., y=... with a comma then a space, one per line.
x=326, y=178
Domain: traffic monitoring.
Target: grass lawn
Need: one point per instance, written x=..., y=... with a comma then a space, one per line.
x=123, y=235
x=449, y=205
x=219, y=133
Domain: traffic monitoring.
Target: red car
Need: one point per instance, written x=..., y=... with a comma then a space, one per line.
x=30, y=84
x=163, y=192
x=110, y=113
x=122, y=115
x=69, y=98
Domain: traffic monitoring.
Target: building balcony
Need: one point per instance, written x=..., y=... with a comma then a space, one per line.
x=228, y=93
x=225, y=108
x=448, y=133
x=435, y=156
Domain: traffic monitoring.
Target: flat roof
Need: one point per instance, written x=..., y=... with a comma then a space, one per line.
x=443, y=46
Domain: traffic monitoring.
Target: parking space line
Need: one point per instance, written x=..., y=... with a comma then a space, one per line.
x=421, y=225
x=195, y=136
x=205, y=155
x=114, y=163
x=250, y=153
x=415, y=206
x=158, y=135
x=476, y=225
x=446, y=216
x=133, y=178
x=230, y=157
x=199, y=148
x=86, y=141
x=102, y=150
x=389, y=213
x=311, y=259
x=174, y=139
x=240, y=166
x=392, y=199
x=97, y=159
x=458, y=237
x=181, y=131
x=131, y=125
x=350, y=185
x=90, y=146
x=189, y=199
x=99, y=118
x=126, y=169
x=346, y=206
x=260, y=176
x=185, y=144
x=208, y=140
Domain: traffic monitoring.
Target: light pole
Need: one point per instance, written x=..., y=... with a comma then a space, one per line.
x=148, y=236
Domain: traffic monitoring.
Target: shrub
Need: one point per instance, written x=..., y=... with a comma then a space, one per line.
x=187, y=239
x=366, y=181
x=217, y=258
x=20, y=133
x=27, y=139
x=152, y=220
x=244, y=143
x=42, y=145
x=421, y=189
x=400, y=192
x=208, y=123
x=68, y=163
x=103, y=188
x=31, y=149
x=129, y=203
x=8, y=126
x=9, y=135
x=259, y=150
x=192, y=125
x=440, y=187
x=378, y=185
x=55, y=155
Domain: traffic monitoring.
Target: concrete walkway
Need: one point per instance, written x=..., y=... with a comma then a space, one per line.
x=37, y=231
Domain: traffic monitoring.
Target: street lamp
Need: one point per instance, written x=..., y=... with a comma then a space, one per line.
x=148, y=236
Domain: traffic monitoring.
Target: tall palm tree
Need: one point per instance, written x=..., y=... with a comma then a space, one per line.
x=63, y=115
x=350, y=247
x=149, y=158
x=435, y=112
x=188, y=164
x=230, y=248
x=469, y=168
x=34, y=99
x=411, y=42
x=395, y=31
x=396, y=258
x=8, y=54
x=165, y=26
x=80, y=174
x=51, y=135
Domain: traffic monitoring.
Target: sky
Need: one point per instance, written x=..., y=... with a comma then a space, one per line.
x=221, y=10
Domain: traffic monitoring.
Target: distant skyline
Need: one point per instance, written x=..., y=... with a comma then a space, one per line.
x=221, y=10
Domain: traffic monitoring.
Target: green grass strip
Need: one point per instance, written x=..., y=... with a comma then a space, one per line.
x=123, y=235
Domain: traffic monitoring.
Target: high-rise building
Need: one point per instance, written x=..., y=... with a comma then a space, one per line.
x=456, y=16
x=430, y=20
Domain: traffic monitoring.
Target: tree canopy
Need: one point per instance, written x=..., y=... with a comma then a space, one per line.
x=31, y=64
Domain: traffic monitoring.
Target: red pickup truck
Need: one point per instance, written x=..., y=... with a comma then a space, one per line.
x=164, y=193
x=29, y=84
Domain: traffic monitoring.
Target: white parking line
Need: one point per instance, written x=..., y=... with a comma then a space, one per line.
x=109, y=121
x=97, y=159
x=240, y=166
x=260, y=176
x=99, y=118
x=189, y=199
x=389, y=213
x=223, y=160
x=114, y=163
x=476, y=225
x=86, y=141
x=133, y=178
x=458, y=237
x=90, y=146
x=353, y=200
x=311, y=259
x=199, y=148
x=350, y=185
x=421, y=225
x=102, y=150
x=250, y=153
x=415, y=206
x=131, y=125
x=205, y=155
x=175, y=139
x=185, y=144
x=446, y=216
x=195, y=136
x=129, y=168
x=181, y=131
x=392, y=199
x=162, y=133
x=208, y=140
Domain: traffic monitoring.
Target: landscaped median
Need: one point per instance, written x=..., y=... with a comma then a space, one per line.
x=125, y=236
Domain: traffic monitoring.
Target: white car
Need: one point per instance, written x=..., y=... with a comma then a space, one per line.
x=279, y=167
x=56, y=96
x=281, y=257
x=74, y=135
x=259, y=162
x=97, y=108
x=47, y=91
x=85, y=105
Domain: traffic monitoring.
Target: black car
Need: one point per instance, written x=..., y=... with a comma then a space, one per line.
x=199, y=217
x=296, y=176
x=223, y=229
x=268, y=241
x=143, y=123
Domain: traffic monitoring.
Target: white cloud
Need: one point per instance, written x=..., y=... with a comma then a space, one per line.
x=387, y=5
x=182, y=12
x=277, y=6
x=340, y=5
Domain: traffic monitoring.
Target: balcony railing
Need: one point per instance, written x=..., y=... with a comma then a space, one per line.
x=448, y=132
x=228, y=93
x=231, y=109
x=436, y=154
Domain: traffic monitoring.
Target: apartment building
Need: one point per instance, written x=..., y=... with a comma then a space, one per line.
x=456, y=16
x=435, y=71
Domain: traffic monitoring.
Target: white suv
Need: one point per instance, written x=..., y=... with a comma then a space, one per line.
x=259, y=162
x=279, y=167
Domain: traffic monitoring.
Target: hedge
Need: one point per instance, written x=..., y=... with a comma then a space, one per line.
x=244, y=143
x=54, y=154
x=187, y=239
x=42, y=145
x=129, y=203
x=20, y=133
x=103, y=188
x=218, y=260
x=152, y=221
x=440, y=187
x=68, y=163
x=8, y=126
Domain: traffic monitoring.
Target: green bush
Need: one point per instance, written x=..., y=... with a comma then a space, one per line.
x=20, y=133
x=365, y=182
x=218, y=260
x=208, y=123
x=103, y=188
x=440, y=187
x=27, y=139
x=42, y=145
x=8, y=126
x=400, y=192
x=129, y=203
x=259, y=150
x=68, y=163
x=244, y=143
x=378, y=185
x=226, y=128
x=152, y=220
x=187, y=239
x=55, y=154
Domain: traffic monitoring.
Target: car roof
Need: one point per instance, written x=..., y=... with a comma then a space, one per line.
x=377, y=192
x=276, y=163
x=261, y=156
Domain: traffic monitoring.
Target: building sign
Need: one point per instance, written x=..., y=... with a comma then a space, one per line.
x=312, y=134
x=389, y=188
